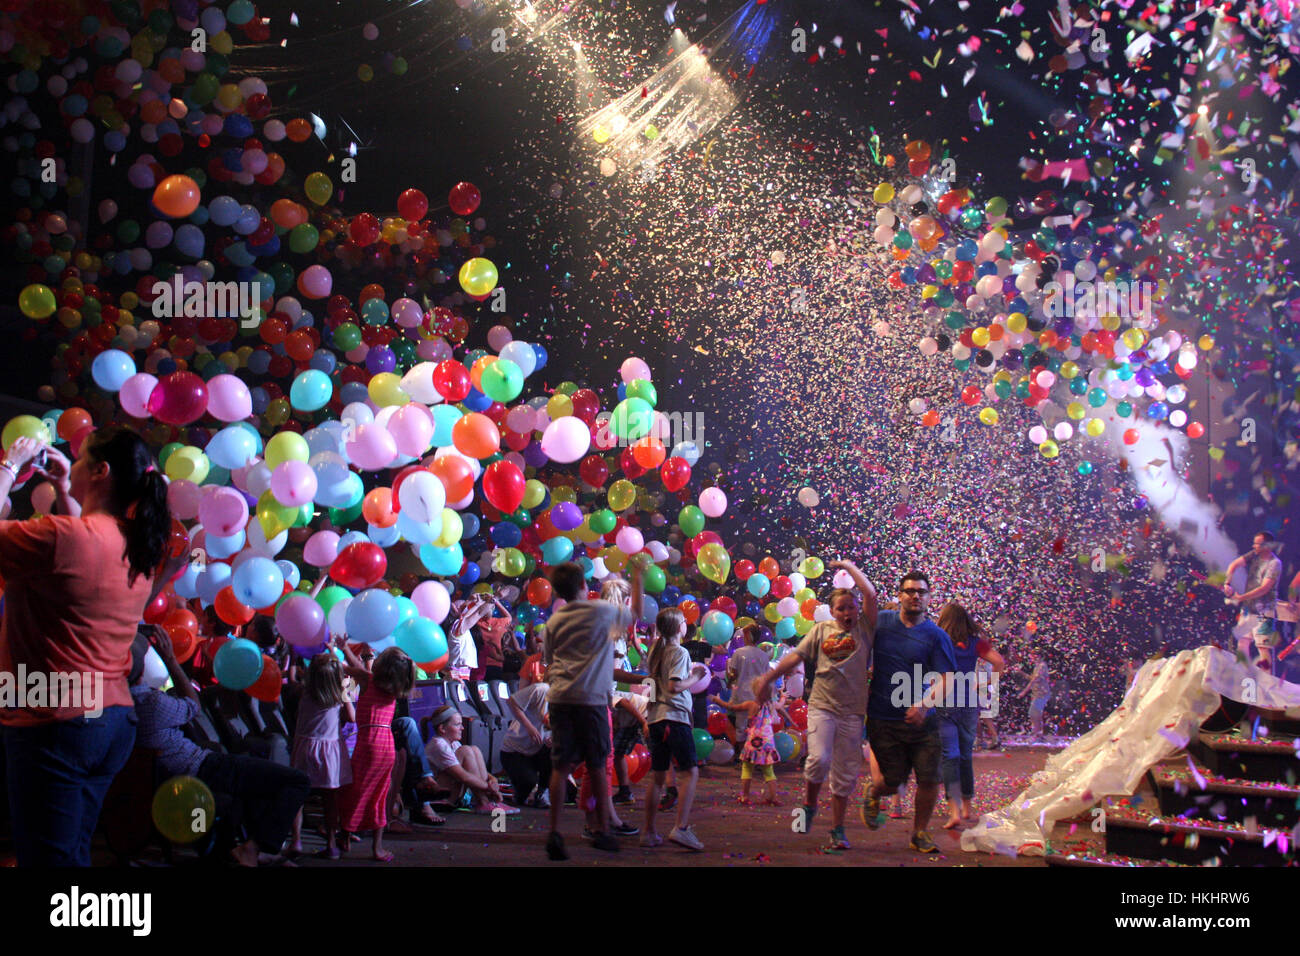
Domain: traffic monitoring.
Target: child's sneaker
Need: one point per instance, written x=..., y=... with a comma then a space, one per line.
x=871, y=811
x=669, y=800
x=809, y=814
x=651, y=840
x=685, y=836
x=922, y=843
x=839, y=840
x=542, y=801
x=606, y=842
x=624, y=795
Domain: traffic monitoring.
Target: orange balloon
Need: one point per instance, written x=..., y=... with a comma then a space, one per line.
x=691, y=610
x=808, y=608
x=267, y=687
x=649, y=452
x=476, y=371
x=184, y=642
x=230, y=610
x=476, y=435
x=918, y=149
x=177, y=196
x=72, y=421
x=297, y=130
x=539, y=592
x=455, y=474
x=432, y=667
x=769, y=567
x=182, y=618
x=286, y=213
x=930, y=418
x=377, y=508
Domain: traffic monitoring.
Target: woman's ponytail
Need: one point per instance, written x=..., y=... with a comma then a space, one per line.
x=139, y=496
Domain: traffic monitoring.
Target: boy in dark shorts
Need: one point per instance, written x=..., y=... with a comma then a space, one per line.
x=579, y=657
x=905, y=736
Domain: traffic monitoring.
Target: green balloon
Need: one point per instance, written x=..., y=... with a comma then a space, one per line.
x=347, y=336
x=331, y=595
x=703, y=743
x=653, y=579
x=503, y=380
x=343, y=516
x=303, y=237
x=691, y=520
x=632, y=419
x=604, y=521
x=643, y=390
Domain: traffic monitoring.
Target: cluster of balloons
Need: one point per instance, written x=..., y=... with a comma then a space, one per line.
x=1062, y=318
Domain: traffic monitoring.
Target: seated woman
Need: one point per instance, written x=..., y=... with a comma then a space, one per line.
x=459, y=768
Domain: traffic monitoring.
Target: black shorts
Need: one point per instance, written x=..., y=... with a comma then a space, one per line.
x=626, y=737
x=579, y=734
x=671, y=742
x=901, y=748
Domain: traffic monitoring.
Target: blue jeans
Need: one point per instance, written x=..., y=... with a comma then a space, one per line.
x=58, y=774
x=957, y=732
x=406, y=736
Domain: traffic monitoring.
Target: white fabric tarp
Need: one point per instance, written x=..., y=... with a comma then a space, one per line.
x=1162, y=711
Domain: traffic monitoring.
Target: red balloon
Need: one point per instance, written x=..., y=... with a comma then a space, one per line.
x=743, y=569
x=229, y=608
x=675, y=473
x=178, y=398
x=781, y=587
x=464, y=198
x=451, y=380
x=364, y=229
x=503, y=486
x=718, y=724
x=630, y=466
x=156, y=610
x=724, y=604
x=412, y=205
x=586, y=404
x=267, y=687
x=594, y=471
x=361, y=565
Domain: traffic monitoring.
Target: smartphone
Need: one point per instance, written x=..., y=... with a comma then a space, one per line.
x=40, y=459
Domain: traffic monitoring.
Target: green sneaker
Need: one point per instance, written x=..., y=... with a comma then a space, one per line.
x=838, y=840
x=922, y=843
x=809, y=814
x=871, y=811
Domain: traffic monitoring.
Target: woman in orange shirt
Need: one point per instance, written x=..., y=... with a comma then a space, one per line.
x=76, y=585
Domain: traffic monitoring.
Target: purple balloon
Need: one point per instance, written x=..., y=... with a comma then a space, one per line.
x=380, y=358
x=534, y=456
x=566, y=516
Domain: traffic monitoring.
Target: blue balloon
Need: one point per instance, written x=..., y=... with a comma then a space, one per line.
x=290, y=572
x=471, y=576
x=237, y=664
x=540, y=352
x=415, y=532
x=785, y=628
x=384, y=537
x=257, y=582
x=444, y=417
x=311, y=391
x=556, y=550
x=717, y=628
x=442, y=561
x=187, y=585
x=758, y=584
x=475, y=401
x=218, y=547
x=421, y=639
x=111, y=369
x=189, y=240
x=224, y=210
x=232, y=447
x=469, y=525
x=506, y=534
x=406, y=609
x=211, y=580
x=372, y=615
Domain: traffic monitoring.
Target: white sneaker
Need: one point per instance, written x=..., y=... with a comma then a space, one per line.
x=542, y=801
x=685, y=836
x=651, y=840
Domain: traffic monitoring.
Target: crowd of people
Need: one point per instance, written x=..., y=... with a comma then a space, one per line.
x=890, y=690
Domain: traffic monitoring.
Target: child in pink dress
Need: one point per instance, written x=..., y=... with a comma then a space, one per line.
x=760, y=746
x=318, y=747
x=364, y=805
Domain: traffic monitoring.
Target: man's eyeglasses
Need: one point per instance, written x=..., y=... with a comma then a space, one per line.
x=916, y=591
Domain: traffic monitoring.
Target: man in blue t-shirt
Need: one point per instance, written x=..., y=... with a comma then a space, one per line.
x=914, y=663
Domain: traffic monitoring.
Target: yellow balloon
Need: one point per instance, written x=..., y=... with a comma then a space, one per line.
x=1049, y=449
x=1094, y=427
x=1076, y=410
x=980, y=336
x=1205, y=343
x=621, y=494
x=1016, y=322
x=188, y=464
x=273, y=516
x=386, y=389
x=802, y=626
x=286, y=446
x=584, y=533
x=559, y=406
x=615, y=559
x=884, y=193
x=771, y=613
x=1069, y=370
x=565, y=493
x=452, y=528
x=803, y=594
x=277, y=412
x=318, y=188
x=478, y=276
x=184, y=809
x=989, y=416
x=534, y=493
x=24, y=426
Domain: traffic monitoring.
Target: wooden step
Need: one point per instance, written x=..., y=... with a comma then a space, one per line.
x=1203, y=795
x=1134, y=831
x=1235, y=755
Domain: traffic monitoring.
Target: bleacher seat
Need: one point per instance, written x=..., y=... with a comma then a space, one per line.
x=477, y=731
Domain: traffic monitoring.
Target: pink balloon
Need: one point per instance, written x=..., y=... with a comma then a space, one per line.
x=371, y=448
x=135, y=392
x=223, y=511
x=566, y=439
x=713, y=502
x=178, y=398
x=432, y=600
x=315, y=282
x=229, y=399
x=412, y=429
x=407, y=313
x=629, y=540
x=633, y=369
x=43, y=498
x=301, y=621
x=293, y=483
x=183, y=499
x=321, y=549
